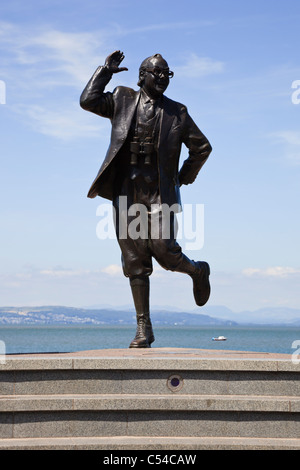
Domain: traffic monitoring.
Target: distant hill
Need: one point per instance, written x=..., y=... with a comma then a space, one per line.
x=210, y=315
x=262, y=316
x=69, y=315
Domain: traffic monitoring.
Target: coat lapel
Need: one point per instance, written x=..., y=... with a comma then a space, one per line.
x=121, y=126
x=128, y=109
x=166, y=123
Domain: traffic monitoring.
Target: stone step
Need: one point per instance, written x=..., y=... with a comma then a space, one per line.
x=161, y=398
x=96, y=378
x=147, y=402
x=147, y=415
x=150, y=444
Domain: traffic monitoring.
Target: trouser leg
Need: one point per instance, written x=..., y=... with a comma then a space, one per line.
x=136, y=256
x=165, y=248
x=168, y=254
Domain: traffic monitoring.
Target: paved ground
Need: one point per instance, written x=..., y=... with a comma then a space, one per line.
x=162, y=352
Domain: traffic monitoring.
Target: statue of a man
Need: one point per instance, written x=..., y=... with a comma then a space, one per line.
x=141, y=167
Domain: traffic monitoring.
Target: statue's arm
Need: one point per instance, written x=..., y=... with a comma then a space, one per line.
x=93, y=97
x=199, y=151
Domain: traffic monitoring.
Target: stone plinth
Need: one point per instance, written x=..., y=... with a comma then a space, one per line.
x=150, y=399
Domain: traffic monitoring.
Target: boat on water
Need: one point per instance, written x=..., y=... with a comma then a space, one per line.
x=219, y=338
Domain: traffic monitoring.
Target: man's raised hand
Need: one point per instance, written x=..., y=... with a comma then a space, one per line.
x=113, y=61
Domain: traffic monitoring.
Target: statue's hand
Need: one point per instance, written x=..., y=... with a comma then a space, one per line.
x=113, y=61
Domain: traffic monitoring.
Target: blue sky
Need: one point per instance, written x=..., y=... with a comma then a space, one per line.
x=234, y=63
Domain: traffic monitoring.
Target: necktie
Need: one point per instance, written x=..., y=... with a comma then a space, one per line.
x=149, y=110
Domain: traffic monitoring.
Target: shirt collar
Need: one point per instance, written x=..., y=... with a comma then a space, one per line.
x=147, y=99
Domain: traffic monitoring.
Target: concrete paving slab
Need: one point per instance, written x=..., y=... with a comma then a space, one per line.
x=156, y=358
x=158, y=353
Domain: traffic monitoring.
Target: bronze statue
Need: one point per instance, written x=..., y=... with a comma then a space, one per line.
x=141, y=167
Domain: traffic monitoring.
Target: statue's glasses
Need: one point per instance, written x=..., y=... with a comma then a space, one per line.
x=159, y=73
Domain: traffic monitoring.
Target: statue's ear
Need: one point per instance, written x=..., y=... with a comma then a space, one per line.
x=141, y=78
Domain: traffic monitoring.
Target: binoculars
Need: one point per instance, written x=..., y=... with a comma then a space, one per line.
x=138, y=149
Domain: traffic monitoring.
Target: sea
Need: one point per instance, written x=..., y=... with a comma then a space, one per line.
x=15, y=339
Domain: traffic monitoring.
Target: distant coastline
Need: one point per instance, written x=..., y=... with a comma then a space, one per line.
x=69, y=315
x=212, y=315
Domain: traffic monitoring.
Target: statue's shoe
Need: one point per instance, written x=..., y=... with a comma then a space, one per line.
x=144, y=335
x=201, y=283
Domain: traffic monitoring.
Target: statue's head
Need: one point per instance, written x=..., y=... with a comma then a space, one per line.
x=154, y=75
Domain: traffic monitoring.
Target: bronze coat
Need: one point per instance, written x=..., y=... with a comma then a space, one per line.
x=176, y=128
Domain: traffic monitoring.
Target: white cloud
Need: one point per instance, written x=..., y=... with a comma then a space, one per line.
x=45, y=71
x=63, y=123
x=196, y=67
x=73, y=53
x=183, y=25
x=69, y=57
x=289, y=137
x=249, y=290
x=49, y=61
x=273, y=272
x=291, y=143
x=112, y=270
x=62, y=286
x=63, y=273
